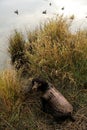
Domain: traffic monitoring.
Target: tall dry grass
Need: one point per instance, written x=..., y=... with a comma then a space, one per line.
x=10, y=88
x=57, y=55
x=17, y=52
x=51, y=51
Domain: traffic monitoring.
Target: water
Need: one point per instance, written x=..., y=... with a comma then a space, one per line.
x=30, y=15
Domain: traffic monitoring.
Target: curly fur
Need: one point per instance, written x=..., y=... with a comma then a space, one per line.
x=53, y=100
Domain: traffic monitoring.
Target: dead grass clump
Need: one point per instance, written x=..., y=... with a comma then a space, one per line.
x=17, y=52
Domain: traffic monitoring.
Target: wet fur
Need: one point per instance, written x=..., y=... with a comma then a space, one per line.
x=48, y=100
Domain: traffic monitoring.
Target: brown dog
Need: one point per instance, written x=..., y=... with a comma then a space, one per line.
x=53, y=100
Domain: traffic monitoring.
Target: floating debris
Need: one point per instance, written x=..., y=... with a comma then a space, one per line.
x=72, y=17
x=50, y=4
x=16, y=12
x=44, y=12
x=62, y=8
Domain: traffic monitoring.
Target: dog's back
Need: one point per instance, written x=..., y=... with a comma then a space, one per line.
x=57, y=102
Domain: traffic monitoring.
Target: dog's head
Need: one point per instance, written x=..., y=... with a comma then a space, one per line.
x=39, y=85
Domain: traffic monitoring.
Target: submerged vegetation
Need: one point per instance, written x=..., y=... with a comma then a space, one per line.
x=54, y=53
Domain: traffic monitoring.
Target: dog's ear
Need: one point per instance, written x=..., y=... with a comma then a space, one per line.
x=36, y=86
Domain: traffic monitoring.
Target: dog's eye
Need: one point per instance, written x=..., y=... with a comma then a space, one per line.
x=35, y=83
x=39, y=84
x=35, y=86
